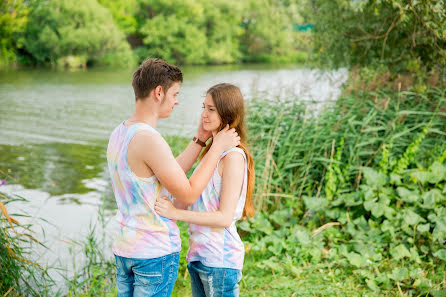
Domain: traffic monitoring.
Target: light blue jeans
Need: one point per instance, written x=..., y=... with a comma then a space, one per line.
x=208, y=281
x=146, y=277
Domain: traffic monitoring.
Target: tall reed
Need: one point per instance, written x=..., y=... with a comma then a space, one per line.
x=300, y=151
x=20, y=275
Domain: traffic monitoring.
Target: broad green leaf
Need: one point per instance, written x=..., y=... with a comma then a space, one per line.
x=441, y=254
x=395, y=179
x=438, y=171
x=378, y=210
x=412, y=218
x=439, y=232
x=389, y=212
x=387, y=226
x=421, y=176
x=316, y=254
x=282, y=217
x=369, y=194
x=423, y=227
x=276, y=248
x=431, y=198
x=371, y=283
x=399, y=274
x=356, y=259
x=400, y=252
x=374, y=178
x=368, y=205
x=407, y=195
x=314, y=203
x=414, y=256
x=303, y=237
x=262, y=224
x=245, y=226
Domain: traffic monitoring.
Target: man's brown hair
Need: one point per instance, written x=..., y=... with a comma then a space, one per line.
x=152, y=73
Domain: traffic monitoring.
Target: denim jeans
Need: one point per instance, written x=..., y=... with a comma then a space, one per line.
x=146, y=277
x=208, y=281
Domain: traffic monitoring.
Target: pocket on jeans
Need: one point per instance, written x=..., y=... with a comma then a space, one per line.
x=149, y=272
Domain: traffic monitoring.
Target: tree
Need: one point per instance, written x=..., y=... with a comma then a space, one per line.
x=404, y=35
x=61, y=28
x=13, y=19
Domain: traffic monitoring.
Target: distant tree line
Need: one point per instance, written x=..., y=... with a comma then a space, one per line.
x=123, y=32
x=403, y=35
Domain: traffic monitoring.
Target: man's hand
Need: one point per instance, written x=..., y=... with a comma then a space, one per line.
x=202, y=134
x=165, y=208
x=226, y=139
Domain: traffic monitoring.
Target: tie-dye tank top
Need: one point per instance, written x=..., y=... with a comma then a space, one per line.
x=217, y=247
x=142, y=232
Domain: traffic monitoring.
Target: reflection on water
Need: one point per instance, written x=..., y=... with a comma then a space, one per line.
x=56, y=168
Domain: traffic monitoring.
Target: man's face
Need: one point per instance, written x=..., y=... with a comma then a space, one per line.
x=169, y=100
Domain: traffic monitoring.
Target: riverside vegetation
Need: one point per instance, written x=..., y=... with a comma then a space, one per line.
x=350, y=199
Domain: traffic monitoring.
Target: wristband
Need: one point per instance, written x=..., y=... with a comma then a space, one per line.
x=198, y=141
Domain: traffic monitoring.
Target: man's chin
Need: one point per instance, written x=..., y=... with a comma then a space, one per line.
x=166, y=115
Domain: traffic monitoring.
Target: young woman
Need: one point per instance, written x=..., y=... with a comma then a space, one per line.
x=216, y=251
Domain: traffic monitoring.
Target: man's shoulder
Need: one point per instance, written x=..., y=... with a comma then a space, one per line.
x=147, y=135
x=149, y=141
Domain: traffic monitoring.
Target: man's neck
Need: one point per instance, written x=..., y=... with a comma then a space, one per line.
x=144, y=113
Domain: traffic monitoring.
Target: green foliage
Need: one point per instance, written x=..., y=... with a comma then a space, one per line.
x=405, y=35
x=179, y=41
x=13, y=18
x=96, y=276
x=360, y=187
x=19, y=274
x=60, y=29
x=124, y=12
x=73, y=34
x=262, y=41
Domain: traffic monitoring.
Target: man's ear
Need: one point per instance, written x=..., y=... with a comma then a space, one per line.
x=158, y=93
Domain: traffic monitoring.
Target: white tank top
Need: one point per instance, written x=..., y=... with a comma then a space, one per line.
x=217, y=247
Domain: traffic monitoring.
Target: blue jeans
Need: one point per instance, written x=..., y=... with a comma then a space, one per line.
x=146, y=277
x=213, y=282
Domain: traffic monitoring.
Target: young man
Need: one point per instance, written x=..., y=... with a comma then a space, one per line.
x=142, y=168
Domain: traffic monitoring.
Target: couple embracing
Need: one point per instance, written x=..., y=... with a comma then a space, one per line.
x=145, y=173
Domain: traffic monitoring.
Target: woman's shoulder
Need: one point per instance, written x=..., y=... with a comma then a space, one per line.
x=234, y=151
x=234, y=159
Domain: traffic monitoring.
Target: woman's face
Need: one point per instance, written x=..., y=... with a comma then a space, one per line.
x=209, y=116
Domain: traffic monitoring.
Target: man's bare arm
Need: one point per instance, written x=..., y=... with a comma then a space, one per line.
x=233, y=174
x=159, y=158
x=188, y=157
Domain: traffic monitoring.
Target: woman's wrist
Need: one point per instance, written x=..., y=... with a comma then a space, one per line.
x=198, y=141
x=176, y=214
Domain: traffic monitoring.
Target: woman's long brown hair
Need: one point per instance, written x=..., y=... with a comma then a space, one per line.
x=229, y=103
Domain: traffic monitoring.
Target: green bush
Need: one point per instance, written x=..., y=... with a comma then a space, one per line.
x=404, y=35
x=83, y=30
x=13, y=18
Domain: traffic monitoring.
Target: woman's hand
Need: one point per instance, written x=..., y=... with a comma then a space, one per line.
x=225, y=139
x=165, y=208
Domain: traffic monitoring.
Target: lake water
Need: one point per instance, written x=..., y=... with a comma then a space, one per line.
x=54, y=128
